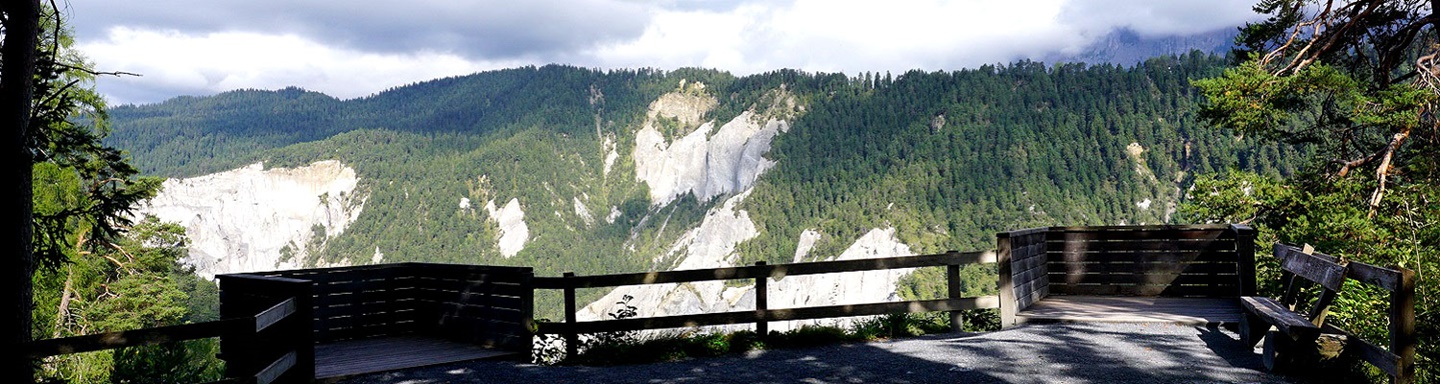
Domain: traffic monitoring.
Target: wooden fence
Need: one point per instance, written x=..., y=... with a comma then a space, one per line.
x=761, y=273
x=1153, y=260
x=266, y=340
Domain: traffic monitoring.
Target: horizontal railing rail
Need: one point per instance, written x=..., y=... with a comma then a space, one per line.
x=177, y=333
x=761, y=273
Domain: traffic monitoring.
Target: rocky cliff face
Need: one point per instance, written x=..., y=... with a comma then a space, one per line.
x=705, y=162
x=513, y=231
x=252, y=219
x=709, y=163
x=790, y=292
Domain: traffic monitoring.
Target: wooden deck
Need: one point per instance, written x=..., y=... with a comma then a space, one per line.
x=1135, y=309
x=353, y=357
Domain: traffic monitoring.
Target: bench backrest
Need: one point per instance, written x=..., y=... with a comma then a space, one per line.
x=1301, y=270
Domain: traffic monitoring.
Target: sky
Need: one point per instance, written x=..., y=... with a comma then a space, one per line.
x=355, y=48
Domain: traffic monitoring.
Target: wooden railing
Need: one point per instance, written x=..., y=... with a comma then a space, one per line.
x=761, y=273
x=1147, y=260
x=478, y=304
x=284, y=353
x=280, y=359
x=273, y=320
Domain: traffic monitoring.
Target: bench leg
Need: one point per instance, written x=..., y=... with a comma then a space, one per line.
x=1277, y=351
x=1252, y=329
x=1282, y=353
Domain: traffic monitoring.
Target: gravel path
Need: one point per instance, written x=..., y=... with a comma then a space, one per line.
x=1045, y=353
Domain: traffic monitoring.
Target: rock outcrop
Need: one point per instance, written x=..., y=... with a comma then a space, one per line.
x=712, y=245
x=703, y=163
x=253, y=219
x=513, y=231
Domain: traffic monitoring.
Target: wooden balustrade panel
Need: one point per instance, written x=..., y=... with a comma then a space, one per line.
x=360, y=302
x=251, y=353
x=1028, y=267
x=486, y=305
x=1176, y=261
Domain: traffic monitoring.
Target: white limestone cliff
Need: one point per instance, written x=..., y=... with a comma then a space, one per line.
x=844, y=288
x=706, y=162
x=712, y=245
x=513, y=231
x=239, y=220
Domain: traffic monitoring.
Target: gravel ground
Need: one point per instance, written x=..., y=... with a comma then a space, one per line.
x=1044, y=353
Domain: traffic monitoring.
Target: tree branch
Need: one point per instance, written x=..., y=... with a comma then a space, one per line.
x=1382, y=172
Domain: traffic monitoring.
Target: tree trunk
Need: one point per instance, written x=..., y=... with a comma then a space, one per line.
x=17, y=71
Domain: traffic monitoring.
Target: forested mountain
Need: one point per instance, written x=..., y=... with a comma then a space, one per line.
x=945, y=158
x=1126, y=47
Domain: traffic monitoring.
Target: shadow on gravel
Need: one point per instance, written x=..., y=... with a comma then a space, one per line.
x=1040, y=353
x=1134, y=353
x=845, y=363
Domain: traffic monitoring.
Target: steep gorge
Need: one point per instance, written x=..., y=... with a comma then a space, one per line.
x=568, y=169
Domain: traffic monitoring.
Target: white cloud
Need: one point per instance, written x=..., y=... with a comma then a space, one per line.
x=215, y=62
x=261, y=47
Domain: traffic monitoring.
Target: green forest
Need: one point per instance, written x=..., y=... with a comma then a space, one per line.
x=955, y=156
x=947, y=158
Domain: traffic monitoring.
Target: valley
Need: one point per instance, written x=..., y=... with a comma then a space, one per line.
x=570, y=169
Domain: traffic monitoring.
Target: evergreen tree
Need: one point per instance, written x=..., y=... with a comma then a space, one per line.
x=1356, y=81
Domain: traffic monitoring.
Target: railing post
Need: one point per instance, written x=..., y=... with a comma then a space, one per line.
x=762, y=304
x=952, y=283
x=572, y=340
x=1005, y=281
x=527, y=306
x=1402, y=326
x=1245, y=258
x=303, y=332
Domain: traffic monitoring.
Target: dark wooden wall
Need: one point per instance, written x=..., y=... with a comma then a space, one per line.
x=487, y=305
x=1027, y=266
x=1174, y=261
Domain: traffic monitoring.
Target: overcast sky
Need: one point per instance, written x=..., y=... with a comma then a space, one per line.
x=358, y=47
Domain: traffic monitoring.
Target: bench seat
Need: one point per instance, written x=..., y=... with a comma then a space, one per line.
x=1271, y=312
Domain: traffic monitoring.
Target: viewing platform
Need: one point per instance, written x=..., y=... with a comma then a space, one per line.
x=1169, y=274
x=323, y=324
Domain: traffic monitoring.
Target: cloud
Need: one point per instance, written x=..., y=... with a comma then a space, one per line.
x=181, y=64
x=1156, y=18
x=485, y=29
x=847, y=35
x=350, y=49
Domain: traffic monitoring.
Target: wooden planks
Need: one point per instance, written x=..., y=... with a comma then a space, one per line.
x=1028, y=267
x=480, y=304
x=354, y=357
x=1287, y=321
x=1177, y=261
x=1134, y=309
x=277, y=344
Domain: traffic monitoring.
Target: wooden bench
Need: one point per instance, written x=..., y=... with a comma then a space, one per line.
x=1295, y=326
